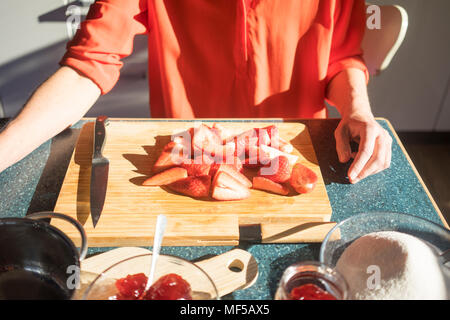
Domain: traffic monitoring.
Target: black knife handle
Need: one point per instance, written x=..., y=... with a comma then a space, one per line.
x=99, y=135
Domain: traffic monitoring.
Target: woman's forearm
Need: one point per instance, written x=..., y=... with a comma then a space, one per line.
x=347, y=92
x=58, y=103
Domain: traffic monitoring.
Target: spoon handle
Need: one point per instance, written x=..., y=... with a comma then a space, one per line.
x=157, y=241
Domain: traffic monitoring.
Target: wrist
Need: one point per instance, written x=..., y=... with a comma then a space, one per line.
x=357, y=109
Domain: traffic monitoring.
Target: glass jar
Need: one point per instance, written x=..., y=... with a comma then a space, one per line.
x=311, y=272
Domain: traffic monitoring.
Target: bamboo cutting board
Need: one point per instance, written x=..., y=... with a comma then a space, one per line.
x=130, y=210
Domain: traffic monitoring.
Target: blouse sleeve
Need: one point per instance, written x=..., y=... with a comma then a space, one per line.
x=349, y=27
x=104, y=38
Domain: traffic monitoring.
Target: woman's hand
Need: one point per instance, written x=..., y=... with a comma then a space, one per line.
x=375, y=145
x=347, y=91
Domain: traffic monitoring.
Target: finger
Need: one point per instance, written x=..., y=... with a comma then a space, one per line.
x=377, y=162
x=365, y=152
x=342, y=145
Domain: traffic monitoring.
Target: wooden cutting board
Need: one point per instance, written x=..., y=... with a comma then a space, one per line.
x=130, y=210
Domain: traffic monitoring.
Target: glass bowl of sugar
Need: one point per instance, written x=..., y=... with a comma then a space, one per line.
x=390, y=256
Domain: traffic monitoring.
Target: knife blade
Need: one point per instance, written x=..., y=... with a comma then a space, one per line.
x=99, y=171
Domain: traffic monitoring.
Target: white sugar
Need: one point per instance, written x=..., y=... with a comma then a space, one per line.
x=391, y=265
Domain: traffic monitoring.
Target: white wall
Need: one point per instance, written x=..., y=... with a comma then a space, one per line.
x=33, y=36
x=411, y=92
x=20, y=29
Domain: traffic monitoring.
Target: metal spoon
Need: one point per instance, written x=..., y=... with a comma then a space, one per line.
x=161, y=223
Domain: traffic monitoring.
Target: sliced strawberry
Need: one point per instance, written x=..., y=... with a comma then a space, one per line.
x=244, y=141
x=206, y=141
x=303, y=179
x=255, y=158
x=225, y=187
x=285, y=146
x=278, y=170
x=197, y=187
x=233, y=161
x=223, y=133
x=263, y=136
x=226, y=194
x=229, y=169
x=252, y=163
x=236, y=163
x=203, y=159
x=196, y=169
x=271, y=153
x=224, y=152
x=263, y=183
x=272, y=131
x=172, y=155
x=166, y=177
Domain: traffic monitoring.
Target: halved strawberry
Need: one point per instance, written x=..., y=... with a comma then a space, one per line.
x=272, y=131
x=265, y=184
x=236, y=163
x=194, y=186
x=285, y=146
x=172, y=155
x=203, y=159
x=303, y=179
x=224, y=152
x=244, y=141
x=225, y=187
x=196, y=168
x=206, y=141
x=166, y=177
x=271, y=153
x=229, y=169
x=233, y=161
x=278, y=170
x=223, y=133
x=263, y=136
x=255, y=158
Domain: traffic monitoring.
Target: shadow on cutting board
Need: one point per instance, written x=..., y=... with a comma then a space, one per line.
x=144, y=162
x=296, y=141
x=83, y=158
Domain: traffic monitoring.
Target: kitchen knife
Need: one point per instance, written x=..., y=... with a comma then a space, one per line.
x=99, y=171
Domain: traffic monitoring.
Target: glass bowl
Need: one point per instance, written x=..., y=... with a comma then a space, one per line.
x=345, y=232
x=103, y=287
x=311, y=272
x=348, y=230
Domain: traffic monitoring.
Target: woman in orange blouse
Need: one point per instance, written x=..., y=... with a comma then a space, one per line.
x=218, y=59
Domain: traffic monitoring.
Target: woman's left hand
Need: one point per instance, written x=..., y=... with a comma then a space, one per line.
x=375, y=145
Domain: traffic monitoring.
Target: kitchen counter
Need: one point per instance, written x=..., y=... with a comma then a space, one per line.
x=33, y=185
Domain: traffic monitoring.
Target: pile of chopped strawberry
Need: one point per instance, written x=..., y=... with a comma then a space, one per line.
x=211, y=162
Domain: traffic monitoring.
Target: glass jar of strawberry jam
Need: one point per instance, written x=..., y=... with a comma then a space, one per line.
x=311, y=280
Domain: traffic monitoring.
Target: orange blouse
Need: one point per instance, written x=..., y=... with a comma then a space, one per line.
x=225, y=58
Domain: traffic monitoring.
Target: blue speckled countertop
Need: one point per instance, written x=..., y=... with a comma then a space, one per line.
x=33, y=184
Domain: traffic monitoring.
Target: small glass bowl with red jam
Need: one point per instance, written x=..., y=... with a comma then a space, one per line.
x=311, y=280
x=175, y=279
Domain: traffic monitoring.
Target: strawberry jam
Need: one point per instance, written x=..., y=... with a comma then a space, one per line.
x=168, y=287
x=310, y=292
